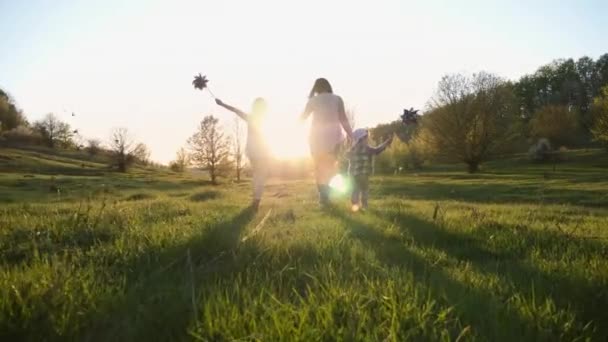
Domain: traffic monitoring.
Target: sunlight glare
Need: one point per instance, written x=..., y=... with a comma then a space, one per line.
x=286, y=137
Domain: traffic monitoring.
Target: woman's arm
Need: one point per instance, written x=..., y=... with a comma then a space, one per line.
x=344, y=119
x=307, y=111
x=236, y=111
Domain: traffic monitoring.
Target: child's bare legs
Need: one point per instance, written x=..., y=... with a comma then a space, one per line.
x=360, y=192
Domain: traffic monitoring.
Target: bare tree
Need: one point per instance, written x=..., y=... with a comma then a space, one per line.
x=125, y=150
x=93, y=147
x=237, y=148
x=350, y=115
x=181, y=162
x=141, y=153
x=470, y=117
x=54, y=131
x=210, y=148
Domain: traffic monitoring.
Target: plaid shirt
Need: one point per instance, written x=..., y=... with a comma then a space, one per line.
x=361, y=158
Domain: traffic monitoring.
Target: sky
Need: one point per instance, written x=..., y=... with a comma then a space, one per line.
x=130, y=63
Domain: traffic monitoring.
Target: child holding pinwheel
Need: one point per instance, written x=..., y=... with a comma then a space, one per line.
x=256, y=150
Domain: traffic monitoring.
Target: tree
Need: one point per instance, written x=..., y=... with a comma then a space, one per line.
x=125, y=151
x=601, y=68
x=210, y=148
x=93, y=147
x=141, y=153
x=557, y=123
x=237, y=149
x=54, y=131
x=10, y=116
x=470, y=117
x=563, y=82
x=351, y=116
x=181, y=162
x=599, y=112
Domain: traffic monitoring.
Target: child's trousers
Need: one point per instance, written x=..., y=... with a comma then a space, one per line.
x=360, y=190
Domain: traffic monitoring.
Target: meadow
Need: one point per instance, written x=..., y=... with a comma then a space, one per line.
x=518, y=252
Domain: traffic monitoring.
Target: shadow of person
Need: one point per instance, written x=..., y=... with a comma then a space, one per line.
x=507, y=262
x=159, y=284
x=476, y=306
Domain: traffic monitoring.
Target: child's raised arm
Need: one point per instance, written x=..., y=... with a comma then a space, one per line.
x=382, y=147
x=236, y=111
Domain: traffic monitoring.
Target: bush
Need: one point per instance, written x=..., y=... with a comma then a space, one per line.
x=401, y=156
x=543, y=152
x=21, y=135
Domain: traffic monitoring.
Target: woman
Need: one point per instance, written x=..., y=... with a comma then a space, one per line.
x=328, y=120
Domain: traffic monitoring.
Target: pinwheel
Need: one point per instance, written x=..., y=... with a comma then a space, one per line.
x=409, y=116
x=200, y=82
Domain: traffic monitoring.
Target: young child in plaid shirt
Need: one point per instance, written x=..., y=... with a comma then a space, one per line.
x=360, y=166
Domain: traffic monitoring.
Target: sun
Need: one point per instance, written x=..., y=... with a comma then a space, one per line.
x=287, y=138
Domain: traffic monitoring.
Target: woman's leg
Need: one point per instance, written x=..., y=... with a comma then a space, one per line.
x=325, y=169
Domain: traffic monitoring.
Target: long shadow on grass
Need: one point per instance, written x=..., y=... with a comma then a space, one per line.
x=506, y=262
x=493, y=193
x=158, y=297
x=485, y=312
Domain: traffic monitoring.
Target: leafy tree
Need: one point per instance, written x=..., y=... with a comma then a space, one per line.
x=563, y=82
x=601, y=68
x=210, y=148
x=557, y=123
x=54, y=131
x=10, y=116
x=600, y=117
x=470, y=117
x=125, y=151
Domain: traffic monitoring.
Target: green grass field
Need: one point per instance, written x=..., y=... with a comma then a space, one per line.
x=518, y=252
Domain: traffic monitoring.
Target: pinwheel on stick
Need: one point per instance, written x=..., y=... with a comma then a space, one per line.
x=200, y=82
x=409, y=117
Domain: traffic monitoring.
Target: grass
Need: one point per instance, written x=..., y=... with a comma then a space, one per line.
x=517, y=252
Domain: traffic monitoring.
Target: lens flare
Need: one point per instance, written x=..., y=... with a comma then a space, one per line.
x=339, y=184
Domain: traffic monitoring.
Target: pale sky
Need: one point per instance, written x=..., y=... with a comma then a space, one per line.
x=130, y=63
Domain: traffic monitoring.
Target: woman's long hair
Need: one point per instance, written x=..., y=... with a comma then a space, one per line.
x=321, y=86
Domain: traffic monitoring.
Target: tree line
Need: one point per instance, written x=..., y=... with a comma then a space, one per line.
x=473, y=118
x=121, y=151
x=470, y=119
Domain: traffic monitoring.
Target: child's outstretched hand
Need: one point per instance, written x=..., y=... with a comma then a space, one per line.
x=219, y=102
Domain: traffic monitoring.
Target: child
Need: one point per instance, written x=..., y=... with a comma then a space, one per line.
x=256, y=150
x=360, y=168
